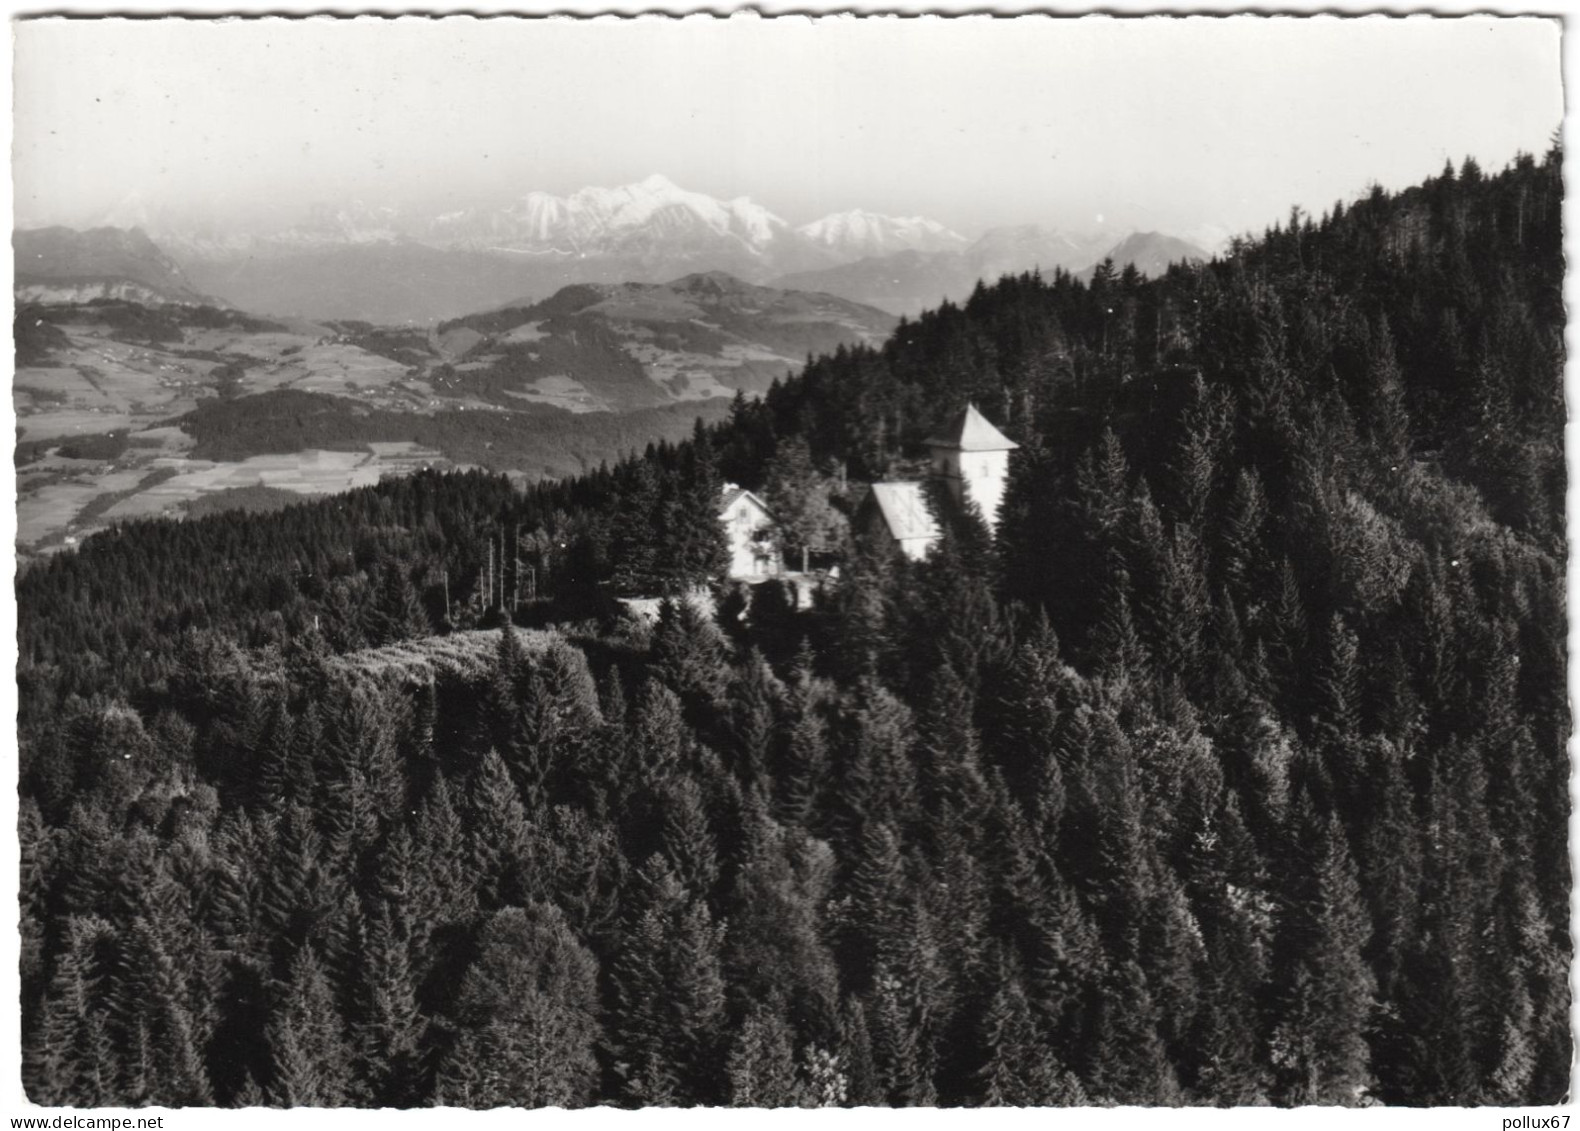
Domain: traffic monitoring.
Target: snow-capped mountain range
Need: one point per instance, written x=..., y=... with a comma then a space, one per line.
x=360, y=259
x=858, y=233
x=650, y=219
x=638, y=218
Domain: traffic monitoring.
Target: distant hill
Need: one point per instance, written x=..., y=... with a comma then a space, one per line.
x=637, y=345
x=588, y=348
x=906, y=282
x=390, y=283
x=1151, y=253
x=65, y=265
x=909, y=282
x=1020, y=248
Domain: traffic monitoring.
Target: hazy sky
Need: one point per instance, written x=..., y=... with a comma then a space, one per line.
x=1169, y=123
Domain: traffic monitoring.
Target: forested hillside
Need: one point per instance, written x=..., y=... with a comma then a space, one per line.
x=1232, y=773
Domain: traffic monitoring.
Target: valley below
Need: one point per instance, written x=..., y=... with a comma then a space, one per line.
x=127, y=411
x=540, y=341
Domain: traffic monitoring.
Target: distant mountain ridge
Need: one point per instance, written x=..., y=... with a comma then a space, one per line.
x=64, y=265
x=909, y=282
x=361, y=260
x=652, y=222
x=858, y=234
x=652, y=215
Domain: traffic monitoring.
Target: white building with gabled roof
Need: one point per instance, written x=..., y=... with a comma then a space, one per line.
x=971, y=456
x=749, y=528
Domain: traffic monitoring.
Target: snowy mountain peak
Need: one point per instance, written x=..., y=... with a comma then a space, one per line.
x=653, y=216
x=861, y=233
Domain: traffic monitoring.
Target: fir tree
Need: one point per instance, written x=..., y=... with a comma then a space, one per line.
x=525, y=1016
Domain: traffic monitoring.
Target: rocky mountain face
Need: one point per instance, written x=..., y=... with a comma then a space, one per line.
x=64, y=265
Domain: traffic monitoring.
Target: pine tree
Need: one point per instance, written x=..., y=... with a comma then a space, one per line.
x=558, y=721
x=151, y=1001
x=37, y=850
x=1116, y=646
x=775, y=952
x=634, y=553
x=444, y=887
x=290, y=901
x=1288, y=637
x=863, y=641
x=1242, y=535
x=525, y=1016
x=71, y=1059
x=1387, y=415
x=659, y=734
x=695, y=547
x=272, y=757
x=1195, y=464
x=752, y=720
x=805, y=751
x=878, y=779
x=496, y=834
x=1020, y=1070
x=688, y=841
x=397, y=614
x=665, y=1025
x=1319, y=1047
x=390, y=1027
x=902, y=1049
x=689, y=656
x=762, y=1066
x=1127, y=1063
x=312, y=1055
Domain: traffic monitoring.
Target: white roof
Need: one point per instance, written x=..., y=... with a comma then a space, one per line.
x=970, y=431
x=732, y=493
x=904, y=509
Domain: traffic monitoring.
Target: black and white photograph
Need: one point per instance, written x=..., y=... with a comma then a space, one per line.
x=789, y=562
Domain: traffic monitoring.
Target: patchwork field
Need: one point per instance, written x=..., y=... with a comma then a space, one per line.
x=96, y=411
x=96, y=382
x=561, y=392
x=60, y=501
x=126, y=411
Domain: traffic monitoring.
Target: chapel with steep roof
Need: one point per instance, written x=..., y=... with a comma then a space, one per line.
x=971, y=456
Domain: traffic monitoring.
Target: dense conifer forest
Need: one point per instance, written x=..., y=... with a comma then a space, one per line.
x=1232, y=772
